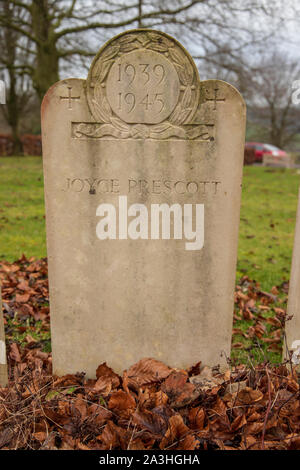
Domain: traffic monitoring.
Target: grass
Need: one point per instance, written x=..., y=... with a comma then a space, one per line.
x=254, y=350
x=22, y=221
x=22, y=332
x=268, y=213
x=268, y=217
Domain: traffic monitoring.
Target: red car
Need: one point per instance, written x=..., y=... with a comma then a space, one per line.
x=261, y=149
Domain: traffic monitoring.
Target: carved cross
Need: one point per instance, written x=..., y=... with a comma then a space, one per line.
x=70, y=97
x=215, y=99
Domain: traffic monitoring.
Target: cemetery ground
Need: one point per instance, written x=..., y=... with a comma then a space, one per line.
x=269, y=204
x=253, y=405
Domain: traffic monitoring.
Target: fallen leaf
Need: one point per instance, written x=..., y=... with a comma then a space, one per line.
x=153, y=422
x=15, y=353
x=122, y=404
x=248, y=396
x=22, y=298
x=147, y=371
x=178, y=436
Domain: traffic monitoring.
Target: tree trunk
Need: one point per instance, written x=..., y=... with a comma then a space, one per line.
x=47, y=59
x=12, y=100
x=13, y=112
x=46, y=71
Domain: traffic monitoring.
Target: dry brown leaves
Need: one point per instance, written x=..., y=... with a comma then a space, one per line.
x=39, y=411
x=265, y=312
x=151, y=406
x=25, y=289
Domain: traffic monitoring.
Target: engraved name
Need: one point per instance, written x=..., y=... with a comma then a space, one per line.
x=141, y=186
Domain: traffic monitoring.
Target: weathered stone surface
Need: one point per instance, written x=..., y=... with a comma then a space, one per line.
x=293, y=326
x=140, y=132
x=3, y=362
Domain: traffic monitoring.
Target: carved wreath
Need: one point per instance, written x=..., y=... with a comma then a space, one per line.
x=112, y=124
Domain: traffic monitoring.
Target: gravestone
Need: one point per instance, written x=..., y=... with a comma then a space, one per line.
x=278, y=161
x=143, y=169
x=292, y=328
x=3, y=362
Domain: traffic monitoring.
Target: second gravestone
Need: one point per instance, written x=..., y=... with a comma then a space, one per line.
x=3, y=362
x=143, y=169
x=292, y=328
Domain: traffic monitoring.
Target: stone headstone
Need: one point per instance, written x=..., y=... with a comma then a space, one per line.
x=278, y=161
x=143, y=169
x=3, y=362
x=292, y=327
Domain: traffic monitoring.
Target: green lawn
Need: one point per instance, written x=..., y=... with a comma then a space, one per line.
x=267, y=217
x=22, y=220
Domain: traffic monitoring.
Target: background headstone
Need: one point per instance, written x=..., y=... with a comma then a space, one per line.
x=3, y=361
x=292, y=327
x=278, y=161
x=142, y=127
